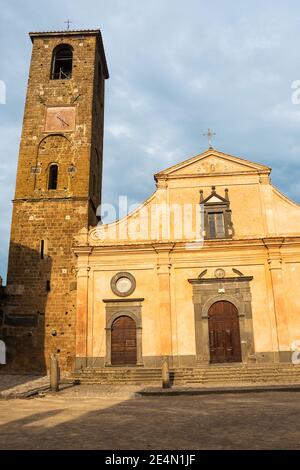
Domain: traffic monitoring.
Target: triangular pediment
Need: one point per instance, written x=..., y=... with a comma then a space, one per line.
x=212, y=162
x=214, y=199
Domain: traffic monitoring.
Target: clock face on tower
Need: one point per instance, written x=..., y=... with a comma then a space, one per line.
x=60, y=119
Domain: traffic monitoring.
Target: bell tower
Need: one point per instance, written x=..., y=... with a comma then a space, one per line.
x=58, y=190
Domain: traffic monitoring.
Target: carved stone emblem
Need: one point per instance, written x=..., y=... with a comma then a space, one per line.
x=219, y=273
x=97, y=234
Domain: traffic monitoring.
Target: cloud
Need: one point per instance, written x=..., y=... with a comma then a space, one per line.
x=118, y=131
x=176, y=69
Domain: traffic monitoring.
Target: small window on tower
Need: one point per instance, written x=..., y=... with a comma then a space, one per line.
x=53, y=177
x=62, y=63
x=42, y=249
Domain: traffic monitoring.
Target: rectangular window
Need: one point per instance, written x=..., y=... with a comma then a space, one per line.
x=53, y=177
x=42, y=249
x=216, y=225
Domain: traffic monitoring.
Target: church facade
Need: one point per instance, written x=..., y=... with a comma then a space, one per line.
x=151, y=285
x=206, y=271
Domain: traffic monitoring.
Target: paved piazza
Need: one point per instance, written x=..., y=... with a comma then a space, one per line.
x=86, y=419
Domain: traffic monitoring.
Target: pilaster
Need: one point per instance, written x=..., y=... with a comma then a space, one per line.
x=273, y=246
x=164, y=294
x=83, y=273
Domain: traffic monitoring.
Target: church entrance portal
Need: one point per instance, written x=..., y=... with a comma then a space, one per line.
x=123, y=341
x=224, y=333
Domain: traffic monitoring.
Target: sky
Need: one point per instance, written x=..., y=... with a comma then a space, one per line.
x=176, y=68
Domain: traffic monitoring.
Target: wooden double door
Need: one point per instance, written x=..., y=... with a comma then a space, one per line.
x=123, y=342
x=224, y=333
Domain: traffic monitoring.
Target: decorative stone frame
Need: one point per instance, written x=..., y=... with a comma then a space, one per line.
x=114, y=280
x=222, y=207
x=236, y=290
x=126, y=307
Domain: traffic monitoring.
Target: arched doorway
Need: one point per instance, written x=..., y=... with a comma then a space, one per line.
x=123, y=341
x=224, y=333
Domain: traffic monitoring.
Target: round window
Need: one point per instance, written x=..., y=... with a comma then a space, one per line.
x=123, y=284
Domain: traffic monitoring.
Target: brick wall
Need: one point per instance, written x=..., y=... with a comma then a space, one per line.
x=41, y=271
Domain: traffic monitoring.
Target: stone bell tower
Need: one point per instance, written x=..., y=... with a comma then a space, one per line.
x=58, y=190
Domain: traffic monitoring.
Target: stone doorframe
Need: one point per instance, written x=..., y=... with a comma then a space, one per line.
x=116, y=308
x=236, y=290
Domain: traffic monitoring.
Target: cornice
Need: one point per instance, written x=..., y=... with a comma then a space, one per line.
x=249, y=244
x=126, y=300
x=159, y=177
x=215, y=280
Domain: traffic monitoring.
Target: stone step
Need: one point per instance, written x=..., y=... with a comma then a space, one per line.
x=176, y=382
x=195, y=374
x=244, y=372
x=192, y=369
x=229, y=376
x=252, y=373
x=120, y=373
x=222, y=378
x=211, y=376
x=239, y=379
x=108, y=376
x=233, y=373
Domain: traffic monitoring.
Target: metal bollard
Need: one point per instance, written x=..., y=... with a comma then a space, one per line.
x=54, y=373
x=165, y=374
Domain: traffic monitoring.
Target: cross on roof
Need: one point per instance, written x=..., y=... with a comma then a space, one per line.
x=68, y=22
x=209, y=134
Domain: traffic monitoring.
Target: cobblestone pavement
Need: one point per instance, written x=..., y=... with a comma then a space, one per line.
x=14, y=385
x=269, y=420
